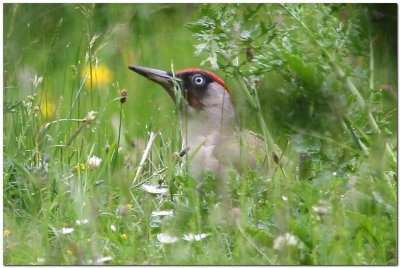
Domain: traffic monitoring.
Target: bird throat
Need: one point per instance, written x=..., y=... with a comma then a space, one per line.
x=200, y=128
x=194, y=101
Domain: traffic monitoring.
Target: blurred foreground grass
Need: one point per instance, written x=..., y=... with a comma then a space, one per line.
x=71, y=149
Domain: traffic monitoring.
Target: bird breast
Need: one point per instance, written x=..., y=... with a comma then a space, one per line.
x=220, y=153
x=201, y=157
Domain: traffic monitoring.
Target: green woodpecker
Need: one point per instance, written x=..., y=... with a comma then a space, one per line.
x=209, y=123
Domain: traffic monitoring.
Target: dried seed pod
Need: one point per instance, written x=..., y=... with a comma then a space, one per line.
x=183, y=152
x=249, y=54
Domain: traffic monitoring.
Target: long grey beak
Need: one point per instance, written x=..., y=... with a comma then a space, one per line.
x=163, y=78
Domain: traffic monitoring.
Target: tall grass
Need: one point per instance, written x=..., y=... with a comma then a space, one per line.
x=91, y=179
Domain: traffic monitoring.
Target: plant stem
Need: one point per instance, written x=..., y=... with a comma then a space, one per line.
x=119, y=135
x=360, y=144
x=144, y=157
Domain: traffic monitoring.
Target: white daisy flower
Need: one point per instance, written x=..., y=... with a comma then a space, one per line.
x=166, y=238
x=322, y=208
x=81, y=222
x=285, y=240
x=104, y=259
x=94, y=161
x=162, y=213
x=40, y=260
x=66, y=230
x=153, y=189
x=196, y=237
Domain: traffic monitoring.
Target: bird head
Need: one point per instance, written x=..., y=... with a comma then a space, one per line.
x=208, y=106
x=200, y=88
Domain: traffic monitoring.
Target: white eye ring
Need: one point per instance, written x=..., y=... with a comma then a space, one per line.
x=198, y=80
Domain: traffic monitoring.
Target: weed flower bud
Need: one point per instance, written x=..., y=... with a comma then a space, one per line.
x=122, y=210
x=107, y=148
x=123, y=95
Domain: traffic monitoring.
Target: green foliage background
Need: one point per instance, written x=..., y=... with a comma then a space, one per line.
x=322, y=77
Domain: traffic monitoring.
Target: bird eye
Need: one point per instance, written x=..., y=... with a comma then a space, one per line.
x=198, y=80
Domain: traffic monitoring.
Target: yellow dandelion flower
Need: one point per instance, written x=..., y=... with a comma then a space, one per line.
x=101, y=75
x=82, y=166
x=129, y=206
x=78, y=167
x=47, y=108
x=6, y=233
x=124, y=236
x=69, y=252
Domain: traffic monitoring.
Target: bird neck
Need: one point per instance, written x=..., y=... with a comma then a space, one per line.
x=206, y=126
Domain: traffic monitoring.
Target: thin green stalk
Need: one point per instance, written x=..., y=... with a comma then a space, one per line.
x=359, y=130
x=388, y=146
x=255, y=104
x=360, y=144
x=75, y=134
x=268, y=141
x=371, y=64
x=144, y=157
x=119, y=135
x=90, y=62
x=77, y=97
x=246, y=92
